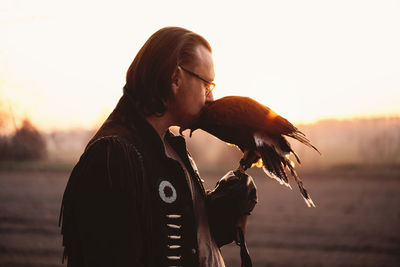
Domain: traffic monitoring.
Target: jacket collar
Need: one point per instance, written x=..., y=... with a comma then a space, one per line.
x=152, y=141
x=127, y=122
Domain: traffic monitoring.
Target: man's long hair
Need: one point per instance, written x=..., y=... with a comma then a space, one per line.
x=149, y=78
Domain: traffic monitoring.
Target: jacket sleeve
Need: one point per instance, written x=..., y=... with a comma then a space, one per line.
x=100, y=211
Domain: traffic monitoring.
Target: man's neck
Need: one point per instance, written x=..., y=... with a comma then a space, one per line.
x=160, y=124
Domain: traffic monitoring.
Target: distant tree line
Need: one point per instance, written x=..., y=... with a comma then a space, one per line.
x=369, y=141
x=27, y=143
x=374, y=141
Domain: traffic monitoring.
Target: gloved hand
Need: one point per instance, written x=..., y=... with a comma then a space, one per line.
x=234, y=196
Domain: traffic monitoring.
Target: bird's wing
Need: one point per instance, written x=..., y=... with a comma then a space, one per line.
x=236, y=112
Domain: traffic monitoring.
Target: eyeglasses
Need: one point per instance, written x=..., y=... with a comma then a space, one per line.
x=209, y=85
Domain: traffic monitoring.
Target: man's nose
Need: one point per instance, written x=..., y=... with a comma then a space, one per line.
x=210, y=97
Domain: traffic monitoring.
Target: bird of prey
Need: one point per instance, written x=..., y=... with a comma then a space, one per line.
x=258, y=132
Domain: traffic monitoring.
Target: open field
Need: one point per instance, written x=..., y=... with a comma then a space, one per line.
x=356, y=222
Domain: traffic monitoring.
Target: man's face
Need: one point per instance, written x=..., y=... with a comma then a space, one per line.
x=190, y=92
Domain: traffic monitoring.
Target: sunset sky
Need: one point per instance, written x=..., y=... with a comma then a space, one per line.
x=63, y=63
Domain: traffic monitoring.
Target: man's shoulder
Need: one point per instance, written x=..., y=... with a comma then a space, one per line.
x=110, y=141
x=119, y=146
x=110, y=161
x=115, y=133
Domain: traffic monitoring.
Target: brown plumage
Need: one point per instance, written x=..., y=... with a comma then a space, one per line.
x=259, y=132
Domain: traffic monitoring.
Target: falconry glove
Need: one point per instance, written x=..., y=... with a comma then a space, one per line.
x=234, y=196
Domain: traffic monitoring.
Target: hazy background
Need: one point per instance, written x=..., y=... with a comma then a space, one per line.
x=330, y=67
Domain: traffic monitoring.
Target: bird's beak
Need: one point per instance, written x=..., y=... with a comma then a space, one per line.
x=181, y=130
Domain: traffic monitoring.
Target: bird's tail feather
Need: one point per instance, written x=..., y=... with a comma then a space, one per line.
x=304, y=192
x=275, y=163
x=290, y=130
x=299, y=136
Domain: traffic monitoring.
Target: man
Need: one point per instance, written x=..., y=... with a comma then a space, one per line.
x=135, y=198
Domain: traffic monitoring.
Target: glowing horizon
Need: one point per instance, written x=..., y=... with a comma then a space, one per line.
x=63, y=64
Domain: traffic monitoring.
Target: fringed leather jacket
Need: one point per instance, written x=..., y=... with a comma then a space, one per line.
x=126, y=203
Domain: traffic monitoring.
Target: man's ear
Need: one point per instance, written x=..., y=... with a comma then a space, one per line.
x=176, y=80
